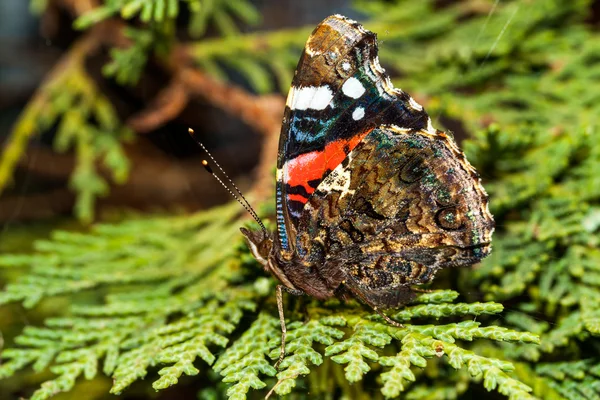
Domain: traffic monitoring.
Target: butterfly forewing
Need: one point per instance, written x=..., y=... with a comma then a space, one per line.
x=339, y=94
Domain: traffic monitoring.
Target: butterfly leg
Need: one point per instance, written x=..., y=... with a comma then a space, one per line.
x=279, y=295
x=386, y=318
x=383, y=298
x=378, y=311
x=419, y=290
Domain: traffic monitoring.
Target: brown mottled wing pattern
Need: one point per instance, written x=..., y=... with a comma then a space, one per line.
x=401, y=206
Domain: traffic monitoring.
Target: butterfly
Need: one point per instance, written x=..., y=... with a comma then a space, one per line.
x=371, y=199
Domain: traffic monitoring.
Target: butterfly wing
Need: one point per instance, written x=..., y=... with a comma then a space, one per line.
x=400, y=207
x=339, y=94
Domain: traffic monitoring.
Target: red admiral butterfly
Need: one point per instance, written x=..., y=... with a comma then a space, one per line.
x=371, y=199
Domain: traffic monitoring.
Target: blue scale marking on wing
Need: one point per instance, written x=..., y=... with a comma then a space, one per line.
x=310, y=133
x=283, y=239
x=304, y=135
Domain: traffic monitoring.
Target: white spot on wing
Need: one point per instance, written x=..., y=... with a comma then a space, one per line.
x=358, y=113
x=430, y=127
x=398, y=130
x=346, y=66
x=296, y=214
x=313, y=97
x=387, y=84
x=353, y=88
x=377, y=67
x=414, y=104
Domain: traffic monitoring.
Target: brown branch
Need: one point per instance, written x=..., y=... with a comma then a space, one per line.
x=76, y=7
x=166, y=106
x=263, y=113
x=155, y=179
x=260, y=112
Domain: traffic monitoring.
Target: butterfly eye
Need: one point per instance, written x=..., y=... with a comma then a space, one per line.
x=449, y=219
x=413, y=170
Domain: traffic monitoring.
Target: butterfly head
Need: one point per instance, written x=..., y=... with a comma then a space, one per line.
x=260, y=243
x=269, y=253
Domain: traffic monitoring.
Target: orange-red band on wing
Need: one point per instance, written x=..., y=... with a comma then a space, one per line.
x=312, y=166
x=297, y=197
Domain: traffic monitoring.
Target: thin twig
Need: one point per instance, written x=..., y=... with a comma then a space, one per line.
x=279, y=382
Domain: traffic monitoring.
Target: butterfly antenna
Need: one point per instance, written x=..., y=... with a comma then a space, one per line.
x=245, y=203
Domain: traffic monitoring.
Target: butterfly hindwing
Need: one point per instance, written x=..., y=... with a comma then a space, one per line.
x=339, y=94
x=400, y=207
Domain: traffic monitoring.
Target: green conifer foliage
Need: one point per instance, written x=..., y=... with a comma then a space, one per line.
x=160, y=298
x=175, y=297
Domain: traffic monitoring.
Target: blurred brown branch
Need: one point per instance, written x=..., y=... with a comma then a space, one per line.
x=156, y=180
x=262, y=113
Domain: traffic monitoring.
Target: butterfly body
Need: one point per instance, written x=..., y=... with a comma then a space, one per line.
x=371, y=199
